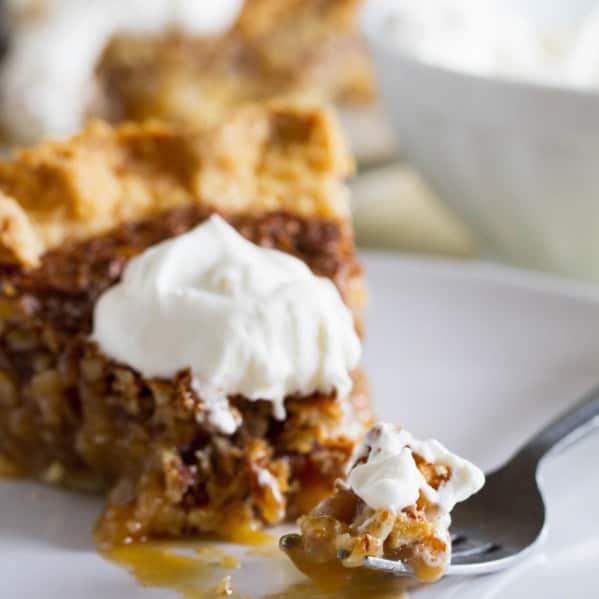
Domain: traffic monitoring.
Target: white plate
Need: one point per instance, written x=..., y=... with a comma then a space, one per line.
x=477, y=355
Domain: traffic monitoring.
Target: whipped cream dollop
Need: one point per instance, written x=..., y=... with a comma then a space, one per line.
x=246, y=320
x=502, y=38
x=389, y=477
x=47, y=75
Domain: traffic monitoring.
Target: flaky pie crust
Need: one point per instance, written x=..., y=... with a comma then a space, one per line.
x=263, y=159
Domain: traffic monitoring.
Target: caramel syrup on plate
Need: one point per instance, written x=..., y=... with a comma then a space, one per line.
x=204, y=571
x=200, y=572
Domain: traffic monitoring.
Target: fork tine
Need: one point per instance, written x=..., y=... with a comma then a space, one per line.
x=388, y=566
x=468, y=548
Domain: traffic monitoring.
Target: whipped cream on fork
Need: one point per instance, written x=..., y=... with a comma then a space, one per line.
x=384, y=473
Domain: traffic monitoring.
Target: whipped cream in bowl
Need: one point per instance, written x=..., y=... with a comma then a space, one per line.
x=528, y=41
x=245, y=320
x=507, y=138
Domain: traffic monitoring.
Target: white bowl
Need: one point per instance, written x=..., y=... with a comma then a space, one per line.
x=519, y=161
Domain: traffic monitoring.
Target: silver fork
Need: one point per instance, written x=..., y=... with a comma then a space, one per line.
x=499, y=526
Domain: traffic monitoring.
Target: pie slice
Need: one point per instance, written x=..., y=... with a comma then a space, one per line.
x=308, y=50
x=178, y=62
x=73, y=216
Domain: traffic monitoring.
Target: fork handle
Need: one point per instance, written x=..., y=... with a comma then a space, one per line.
x=570, y=427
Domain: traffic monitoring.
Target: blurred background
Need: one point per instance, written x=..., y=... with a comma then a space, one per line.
x=475, y=123
x=494, y=102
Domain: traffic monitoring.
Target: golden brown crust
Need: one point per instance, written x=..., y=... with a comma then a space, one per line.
x=18, y=239
x=263, y=159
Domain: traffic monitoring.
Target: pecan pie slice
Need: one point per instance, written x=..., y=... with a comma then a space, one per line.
x=73, y=215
